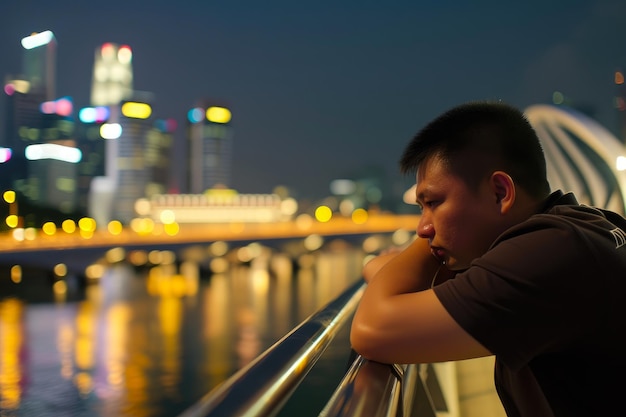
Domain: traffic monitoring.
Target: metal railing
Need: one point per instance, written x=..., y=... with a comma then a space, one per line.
x=368, y=388
x=372, y=389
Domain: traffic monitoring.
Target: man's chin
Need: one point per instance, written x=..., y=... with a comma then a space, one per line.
x=455, y=265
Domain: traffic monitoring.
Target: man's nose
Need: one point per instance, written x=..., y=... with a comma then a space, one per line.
x=425, y=228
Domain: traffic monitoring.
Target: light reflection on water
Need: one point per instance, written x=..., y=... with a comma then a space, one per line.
x=151, y=343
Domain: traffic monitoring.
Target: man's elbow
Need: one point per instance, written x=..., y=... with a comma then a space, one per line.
x=364, y=341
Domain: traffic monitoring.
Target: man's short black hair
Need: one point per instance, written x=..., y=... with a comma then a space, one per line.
x=496, y=135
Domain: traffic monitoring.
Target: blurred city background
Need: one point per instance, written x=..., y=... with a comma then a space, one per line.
x=183, y=184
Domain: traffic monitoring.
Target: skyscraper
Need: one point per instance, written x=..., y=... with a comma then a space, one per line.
x=39, y=129
x=39, y=63
x=124, y=176
x=210, y=139
x=112, y=79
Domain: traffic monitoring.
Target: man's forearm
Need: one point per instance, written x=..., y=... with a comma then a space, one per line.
x=411, y=270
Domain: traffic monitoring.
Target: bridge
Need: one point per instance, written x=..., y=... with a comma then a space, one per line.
x=78, y=250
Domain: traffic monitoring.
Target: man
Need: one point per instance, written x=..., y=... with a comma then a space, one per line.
x=502, y=267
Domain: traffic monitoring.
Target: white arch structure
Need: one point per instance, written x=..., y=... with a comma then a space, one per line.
x=581, y=155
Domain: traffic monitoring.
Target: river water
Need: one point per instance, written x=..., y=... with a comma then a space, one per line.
x=152, y=340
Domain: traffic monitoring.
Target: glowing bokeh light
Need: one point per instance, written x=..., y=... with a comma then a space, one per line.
x=53, y=151
x=346, y=207
x=171, y=229
x=9, y=89
x=111, y=131
x=124, y=54
x=218, y=114
x=313, y=242
x=30, y=233
x=359, y=216
x=95, y=271
x=18, y=234
x=68, y=226
x=142, y=226
x=143, y=206
x=60, y=270
x=167, y=217
x=64, y=106
x=195, y=115
x=115, y=255
x=218, y=265
x=12, y=221
x=94, y=114
x=135, y=110
x=19, y=86
x=115, y=227
x=37, y=39
x=323, y=214
x=289, y=206
x=49, y=228
x=9, y=196
x=16, y=274
x=87, y=224
x=47, y=107
x=5, y=154
x=304, y=221
x=218, y=248
x=107, y=51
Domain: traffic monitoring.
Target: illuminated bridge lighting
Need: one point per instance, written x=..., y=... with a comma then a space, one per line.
x=217, y=208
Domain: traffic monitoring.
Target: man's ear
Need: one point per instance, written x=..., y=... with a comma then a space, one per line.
x=503, y=188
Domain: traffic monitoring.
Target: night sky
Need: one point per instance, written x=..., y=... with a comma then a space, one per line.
x=327, y=89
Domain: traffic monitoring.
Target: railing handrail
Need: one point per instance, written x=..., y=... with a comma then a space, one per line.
x=372, y=389
x=368, y=389
x=263, y=386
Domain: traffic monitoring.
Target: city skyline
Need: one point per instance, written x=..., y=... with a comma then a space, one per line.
x=325, y=92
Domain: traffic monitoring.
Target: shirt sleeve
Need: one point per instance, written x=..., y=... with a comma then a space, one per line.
x=527, y=294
